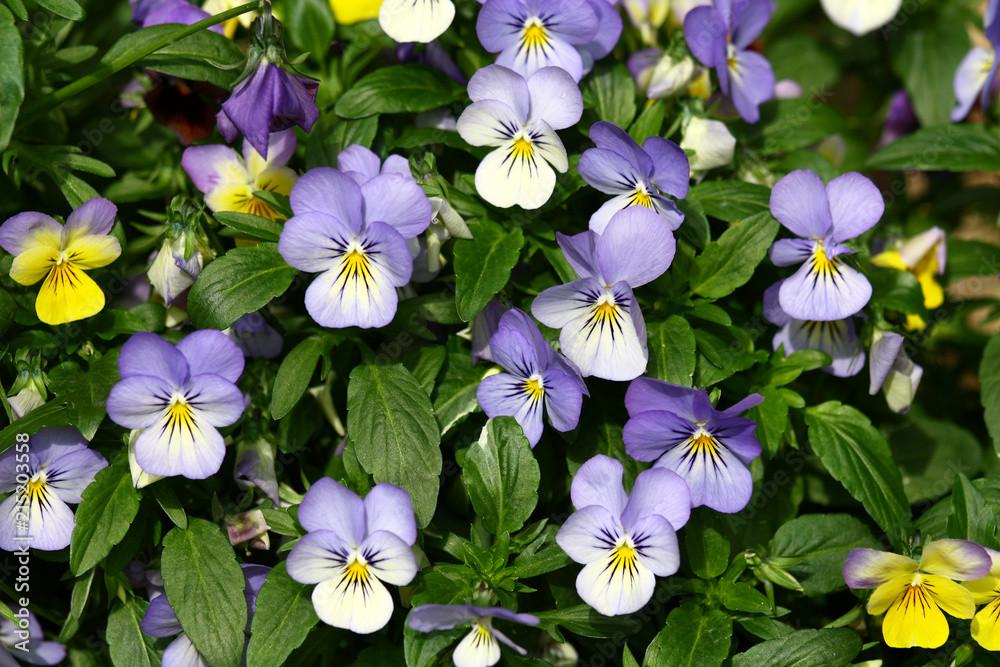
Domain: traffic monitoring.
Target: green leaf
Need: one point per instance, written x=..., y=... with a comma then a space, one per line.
x=250, y=226
x=456, y=395
x=731, y=201
x=835, y=647
x=331, y=135
x=295, y=373
x=813, y=549
x=68, y=9
x=692, y=637
x=242, y=281
x=942, y=148
x=483, y=265
x=584, y=621
x=896, y=290
x=649, y=123
x=741, y=596
x=86, y=391
x=771, y=418
x=729, y=262
x=972, y=517
x=422, y=649
x=706, y=545
x=114, y=322
x=310, y=25
x=53, y=413
x=857, y=455
x=501, y=476
x=170, y=504
x=610, y=92
x=972, y=258
x=106, y=511
x=392, y=426
x=128, y=645
x=205, y=586
x=926, y=58
x=283, y=618
x=672, y=351
x=989, y=377
x=787, y=125
x=203, y=56
x=931, y=453
x=398, y=89
x=11, y=78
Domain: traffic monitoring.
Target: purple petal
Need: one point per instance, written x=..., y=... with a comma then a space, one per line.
x=280, y=149
x=560, y=54
x=705, y=32
x=255, y=575
x=564, y=392
x=555, y=98
x=657, y=492
x=752, y=84
x=649, y=435
x=608, y=136
x=499, y=25
x=433, y=617
x=329, y=505
x=791, y=252
x=824, y=296
x=609, y=29
x=837, y=338
x=137, y=401
x=750, y=17
x=398, y=202
x=636, y=247
x=599, y=482
x=657, y=541
x=772, y=308
x=316, y=556
x=609, y=172
x=484, y=326
x=645, y=395
x=519, y=346
x=558, y=306
x=799, y=202
x=96, y=216
x=255, y=337
x=360, y=163
x=855, y=205
x=17, y=230
x=392, y=559
x=719, y=481
x=671, y=169
x=208, y=166
x=574, y=20
x=328, y=191
x=310, y=241
x=969, y=81
x=961, y=560
x=738, y=408
x=738, y=435
x=176, y=11
x=588, y=533
x=148, y=354
x=70, y=463
x=389, y=508
x=504, y=395
x=580, y=250
x=884, y=352
x=399, y=165
x=211, y=351
x=49, y=525
x=495, y=82
x=868, y=568
x=214, y=399
x=160, y=619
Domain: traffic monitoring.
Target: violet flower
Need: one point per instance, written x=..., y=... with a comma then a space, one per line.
x=479, y=648
x=177, y=397
x=824, y=288
x=636, y=176
x=36, y=514
x=719, y=37
x=352, y=546
x=976, y=77
x=255, y=337
x=681, y=430
x=172, y=11
x=892, y=371
x=27, y=645
x=538, y=379
x=602, y=330
x=900, y=119
x=484, y=326
x=624, y=540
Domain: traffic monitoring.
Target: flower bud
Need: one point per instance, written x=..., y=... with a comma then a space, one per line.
x=709, y=142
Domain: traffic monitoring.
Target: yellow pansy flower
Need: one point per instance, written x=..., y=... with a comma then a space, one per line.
x=60, y=255
x=347, y=12
x=214, y=7
x=915, y=596
x=924, y=257
x=986, y=591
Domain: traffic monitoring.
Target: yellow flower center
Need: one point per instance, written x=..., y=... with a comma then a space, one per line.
x=179, y=417
x=356, y=572
x=825, y=267
x=35, y=488
x=357, y=266
x=522, y=149
x=482, y=635
x=641, y=197
x=534, y=388
x=704, y=442
x=243, y=200
x=535, y=36
x=624, y=558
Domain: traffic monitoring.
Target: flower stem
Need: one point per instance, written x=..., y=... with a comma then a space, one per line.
x=131, y=56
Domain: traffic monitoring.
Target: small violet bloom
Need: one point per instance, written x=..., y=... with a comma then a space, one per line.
x=519, y=117
x=603, y=332
x=624, y=540
x=177, y=397
x=824, y=288
x=680, y=429
x=61, y=255
x=229, y=180
x=479, y=648
x=912, y=595
x=160, y=621
x=986, y=591
x=172, y=11
x=352, y=546
x=530, y=35
x=900, y=119
x=719, y=37
x=976, y=76
x=924, y=256
x=537, y=379
x=36, y=514
x=27, y=645
x=352, y=229
x=255, y=337
x=635, y=175
x=415, y=20
x=861, y=16
x=484, y=326
x=837, y=338
x=892, y=371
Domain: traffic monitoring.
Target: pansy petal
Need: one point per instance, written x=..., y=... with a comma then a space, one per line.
x=214, y=399
x=887, y=593
x=956, y=559
x=182, y=653
x=647, y=394
x=555, y=98
x=799, y=202
x=705, y=33
x=557, y=53
x=656, y=541
x=914, y=620
x=855, y=205
x=160, y=619
x=479, y=648
x=672, y=171
x=311, y=241
x=433, y=617
x=68, y=295
x=970, y=79
x=180, y=444
x=24, y=230
x=659, y=492
x=329, y=505
x=564, y=392
x=93, y=251
x=360, y=163
x=328, y=191
x=953, y=598
x=608, y=171
x=752, y=83
x=515, y=176
x=95, y=216
x=362, y=607
x=614, y=585
x=636, y=247
x=824, y=291
x=49, y=522
x=601, y=337
x=868, y=568
x=749, y=20
x=488, y=123
x=280, y=149
x=986, y=628
x=398, y=202
x=602, y=217
x=580, y=250
x=319, y=555
x=599, y=482
x=506, y=395
x=588, y=534
x=500, y=84
x=715, y=476
x=861, y=16
x=389, y=508
x=648, y=435
x=211, y=166
x=389, y=558
x=407, y=21
x=791, y=252
x=148, y=354
x=211, y=351
x=72, y=472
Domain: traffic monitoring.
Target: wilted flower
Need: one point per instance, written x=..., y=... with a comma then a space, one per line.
x=255, y=467
x=912, y=595
x=416, y=20
x=709, y=143
x=36, y=514
x=178, y=396
x=27, y=644
x=61, y=254
x=892, y=371
x=719, y=37
x=602, y=330
x=924, y=256
x=538, y=379
x=986, y=591
x=624, y=540
x=170, y=273
x=255, y=336
x=229, y=181
x=479, y=648
x=824, y=288
x=248, y=528
x=518, y=117
x=861, y=16
x=660, y=75
x=352, y=546
x=681, y=430
x=446, y=224
x=637, y=176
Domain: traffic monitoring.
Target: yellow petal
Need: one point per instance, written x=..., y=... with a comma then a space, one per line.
x=67, y=295
x=239, y=198
x=955, y=559
x=890, y=259
x=953, y=598
x=93, y=251
x=277, y=179
x=986, y=626
x=34, y=264
x=883, y=596
x=915, y=323
x=914, y=620
x=984, y=590
x=347, y=12
x=933, y=293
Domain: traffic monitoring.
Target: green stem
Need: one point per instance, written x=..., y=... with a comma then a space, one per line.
x=107, y=69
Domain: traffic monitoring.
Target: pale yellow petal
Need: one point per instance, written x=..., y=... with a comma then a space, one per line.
x=914, y=620
x=915, y=323
x=93, y=251
x=277, y=179
x=68, y=295
x=890, y=259
x=33, y=264
x=953, y=598
x=933, y=292
x=239, y=198
x=956, y=559
x=883, y=596
x=984, y=590
x=986, y=626
x=347, y=12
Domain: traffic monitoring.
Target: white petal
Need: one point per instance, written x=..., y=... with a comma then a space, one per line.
x=41, y=521
x=479, y=648
x=179, y=445
x=614, y=587
x=389, y=558
x=488, y=123
x=362, y=606
x=602, y=340
x=861, y=16
x=510, y=177
x=354, y=292
x=416, y=20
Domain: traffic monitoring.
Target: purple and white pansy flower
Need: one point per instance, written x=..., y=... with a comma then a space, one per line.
x=976, y=76
x=530, y=35
x=636, y=175
x=352, y=229
x=602, y=329
x=892, y=371
x=824, y=288
x=20, y=644
x=415, y=20
x=177, y=397
x=479, y=648
x=680, y=429
x=720, y=36
x=538, y=379
x=518, y=117
x=36, y=514
x=624, y=540
x=354, y=547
